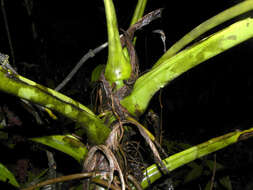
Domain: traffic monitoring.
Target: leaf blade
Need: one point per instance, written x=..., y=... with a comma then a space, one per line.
x=216, y=20
x=19, y=86
x=118, y=67
x=148, y=84
x=65, y=143
x=6, y=175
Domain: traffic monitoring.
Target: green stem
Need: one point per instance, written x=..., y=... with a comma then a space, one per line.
x=222, y=17
x=118, y=68
x=138, y=13
x=139, y=10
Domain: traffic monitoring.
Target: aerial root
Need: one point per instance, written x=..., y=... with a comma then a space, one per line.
x=97, y=161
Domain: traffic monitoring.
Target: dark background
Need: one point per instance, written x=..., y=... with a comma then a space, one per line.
x=210, y=100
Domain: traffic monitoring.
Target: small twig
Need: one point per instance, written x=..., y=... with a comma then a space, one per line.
x=29, y=8
x=145, y=20
x=88, y=55
x=163, y=38
x=7, y=31
x=104, y=183
x=52, y=167
x=141, y=23
x=214, y=171
x=72, y=177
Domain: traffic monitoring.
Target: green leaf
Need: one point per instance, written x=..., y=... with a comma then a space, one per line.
x=65, y=143
x=210, y=164
x=148, y=84
x=139, y=10
x=218, y=19
x=26, y=89
x=7, y=176
x=95, y=75
x=225, y=182
x=118, y=67
x=35, y=178
x=152, y=173
x=194, y=173
x=208, y=185
x=3, y=135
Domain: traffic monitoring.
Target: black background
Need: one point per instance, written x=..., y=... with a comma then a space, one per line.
x=210, y=100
